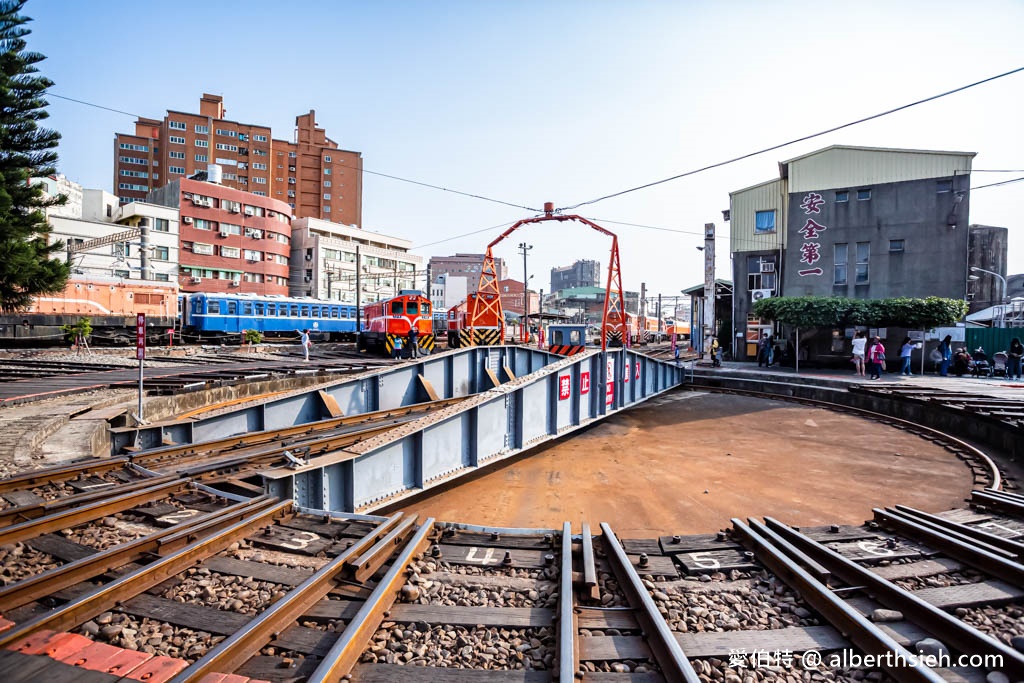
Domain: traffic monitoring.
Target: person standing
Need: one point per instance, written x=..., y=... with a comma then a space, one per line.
x=859, y=344
x=413, y=350
x=1013, y=359
x=906, y=348
x=306, y=343
x=762, y=350
x=946, y=351
x=716, y=362
x=396, y=347
x=876, y=357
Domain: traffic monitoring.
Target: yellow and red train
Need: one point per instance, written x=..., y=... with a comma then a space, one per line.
x=387, y=319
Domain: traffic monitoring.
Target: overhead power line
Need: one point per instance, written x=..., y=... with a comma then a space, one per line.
x=383, y=175
x=792, y=142
x=1005, y=182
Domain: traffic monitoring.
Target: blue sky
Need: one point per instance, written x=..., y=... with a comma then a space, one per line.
x=559, y=101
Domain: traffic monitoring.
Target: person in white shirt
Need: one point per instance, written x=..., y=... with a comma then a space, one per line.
x=859, y=342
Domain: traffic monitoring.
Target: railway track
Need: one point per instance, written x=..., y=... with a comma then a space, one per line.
x=168, y=565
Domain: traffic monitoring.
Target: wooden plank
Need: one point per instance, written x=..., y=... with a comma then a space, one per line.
x=278, y=669
x=492, y=377
x=333, y=530
x=185, y=614
x=261, y=571
x=623, y=620
x=714, y=561
x=481, y=539
x=389, y=673
x=60, y=547
x=516, y=617
x=22, y=668
x=612, y=648
x=492, y=557
x=333, y=610
x=794, y=639
x=331, y=404
x=607, y=677
x=508, y=372
x=846, y=532
x=291, y=540
x=515, y=583
x=155, y=510
x=89, y=484
x=939, y=565
x=657, y=565
x=875, y=550
x=694, y=542
x=1002, y=526
x=635, y=546
x=971, y=594
x=961, y=674
x=22, y=498
x=429, y=388
x=307, y=641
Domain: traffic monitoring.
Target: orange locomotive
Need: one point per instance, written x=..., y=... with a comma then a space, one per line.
x=110, y=304
x=395, y=317
x=487, y=331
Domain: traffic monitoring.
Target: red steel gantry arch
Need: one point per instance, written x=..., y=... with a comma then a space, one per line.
x=614, y=330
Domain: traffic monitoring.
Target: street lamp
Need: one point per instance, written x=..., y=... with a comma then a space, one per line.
x=524, y=249
x=1002, y=297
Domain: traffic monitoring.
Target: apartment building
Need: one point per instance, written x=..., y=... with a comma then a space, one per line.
x=310, y=174
x=324, y=261
x=464, y=265
x=230, y=240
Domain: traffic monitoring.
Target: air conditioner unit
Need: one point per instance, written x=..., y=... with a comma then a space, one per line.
x=235, y=283
x=309, y=257
x=235, y=209
x=307, y=279
x=270, y=257
x=186, y=219
x=249, y=212
x=768, y=266
x=224, y=233
x=197, y=280
x=758, y=294
x=270, y=214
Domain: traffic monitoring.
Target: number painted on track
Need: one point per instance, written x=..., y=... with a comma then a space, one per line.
x=301, y=542
x=488, y=557
x=704, y=562
x=876, y=548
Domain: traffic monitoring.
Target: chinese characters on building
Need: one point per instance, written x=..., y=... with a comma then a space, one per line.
x=810, y=250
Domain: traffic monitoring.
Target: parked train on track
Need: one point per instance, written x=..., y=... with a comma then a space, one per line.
x=385, y=320
x=207, y=315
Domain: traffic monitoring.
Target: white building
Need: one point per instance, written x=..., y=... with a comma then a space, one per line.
x=323, y=262
x=447, y=291
x=56, y=185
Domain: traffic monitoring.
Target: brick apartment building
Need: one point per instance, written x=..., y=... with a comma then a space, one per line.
x=311, y=174
x=464, y=265
x=230, y=240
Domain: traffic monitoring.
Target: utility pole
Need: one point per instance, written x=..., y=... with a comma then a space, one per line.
x=709, y=286
x=660, y=316
x=359, y=292
x=642, y=313
x=524, y=249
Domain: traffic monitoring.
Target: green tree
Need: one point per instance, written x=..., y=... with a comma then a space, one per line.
x=26, y=151
x=837, y=311
x=82, y=329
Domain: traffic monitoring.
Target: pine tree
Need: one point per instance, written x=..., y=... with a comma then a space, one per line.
x=26, y=151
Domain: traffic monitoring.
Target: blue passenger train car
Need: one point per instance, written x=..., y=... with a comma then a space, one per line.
x=207, y=315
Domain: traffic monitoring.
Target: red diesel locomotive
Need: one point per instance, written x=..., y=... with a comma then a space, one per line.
x=395, y=317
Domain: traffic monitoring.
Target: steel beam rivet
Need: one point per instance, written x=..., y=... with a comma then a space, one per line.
x=387, y=614
x=549, y=539
x=644, y=560
x=677, y=539
x=435, y=551
x=890, y=543
x=549, y=559
x=834, y=529
x=872, y=525
x=495, y=535
x=748, y=555
x=719, y=536
x=508, y=558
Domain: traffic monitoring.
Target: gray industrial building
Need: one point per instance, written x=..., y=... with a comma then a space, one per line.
x=580, y=274
x=463, y=265
x=858, y=222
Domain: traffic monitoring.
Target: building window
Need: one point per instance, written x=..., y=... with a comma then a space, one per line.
x=176, y=125
x=161, y=253
x=134, y=148
x=177, y=155
x=200, y=248
x=227, y=148
x=327, y=195
x=327, y=183
x=162, y=277
x=202, y=143
x=202, y=224
x=259, y=138
x=226, y=133
x=132, y=160
x=231, y=229
x=841, y=259
x=256, y=166
x=134, y=174
x=259, y=181
x=175, y=140
x=327, y=209
x=327, y=171
x=863, y=262
x=843, y=196
x=764, y=222
x=291, y=193
x=161, y=225
x=230, y=252
x=202, y=157
x=863, y=195
x=136, y=188
x=244, y=137
x=760, y=272
x=176, y=169
x=202, y=129
x=943, y=186
x=896, y=246
x=259, y=194
x=327, y=159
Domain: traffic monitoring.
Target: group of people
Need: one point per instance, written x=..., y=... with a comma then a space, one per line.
x=871, y=356
x=396, y=350
x=962, y=362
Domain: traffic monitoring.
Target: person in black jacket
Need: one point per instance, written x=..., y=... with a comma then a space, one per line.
x=1013, y=359
x=413, y=348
